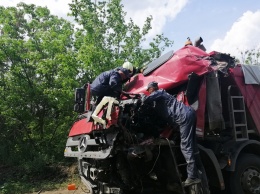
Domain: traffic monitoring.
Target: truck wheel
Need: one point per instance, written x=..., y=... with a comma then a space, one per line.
x=246, y=177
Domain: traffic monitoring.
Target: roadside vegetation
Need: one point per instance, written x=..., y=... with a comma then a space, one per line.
x=250, y=57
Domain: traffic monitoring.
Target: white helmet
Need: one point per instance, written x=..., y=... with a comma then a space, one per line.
x=128, y=65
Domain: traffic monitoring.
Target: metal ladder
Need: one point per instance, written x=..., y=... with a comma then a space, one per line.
x=237, y=112
x=192, y=189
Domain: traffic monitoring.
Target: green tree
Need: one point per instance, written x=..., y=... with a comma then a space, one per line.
x=105, y=40
x=38, y=74
x=250, y=57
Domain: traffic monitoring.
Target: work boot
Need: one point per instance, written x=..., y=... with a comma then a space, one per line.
x=190, y=181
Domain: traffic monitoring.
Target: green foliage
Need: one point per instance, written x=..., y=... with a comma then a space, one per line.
x=38, y=71
x=15, y=187
x=53, y=178
x=251, y=57
x=107, y=40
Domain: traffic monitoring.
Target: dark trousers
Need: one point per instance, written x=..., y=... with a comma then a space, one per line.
x=190, y=151
x=188, y=142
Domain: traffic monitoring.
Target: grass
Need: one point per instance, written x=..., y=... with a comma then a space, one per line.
x=13, y=180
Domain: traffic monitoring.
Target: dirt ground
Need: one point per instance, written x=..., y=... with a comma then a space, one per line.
x=80, y=189
x=62, y=192
x=54, y=185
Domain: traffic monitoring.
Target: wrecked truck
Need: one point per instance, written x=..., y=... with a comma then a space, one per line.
x=226, y=97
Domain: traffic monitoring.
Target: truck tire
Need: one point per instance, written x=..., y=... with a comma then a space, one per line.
x=246, y=177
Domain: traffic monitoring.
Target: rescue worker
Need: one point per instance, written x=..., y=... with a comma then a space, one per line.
x=108, y=87
x=175, y=112
x=109, y=83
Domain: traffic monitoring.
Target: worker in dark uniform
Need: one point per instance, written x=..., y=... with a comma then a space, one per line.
x=109, y=83
x=175, y=112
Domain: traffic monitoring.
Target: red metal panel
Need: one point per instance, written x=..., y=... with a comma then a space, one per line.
x=251, y=95
x=175, y=71
x=81, y=127
x=201, y=110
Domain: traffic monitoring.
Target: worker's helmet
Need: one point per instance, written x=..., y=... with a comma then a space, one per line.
x=152, y=84
x=129, y=66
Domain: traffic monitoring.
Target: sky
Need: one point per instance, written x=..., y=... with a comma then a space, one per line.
x=228, y=26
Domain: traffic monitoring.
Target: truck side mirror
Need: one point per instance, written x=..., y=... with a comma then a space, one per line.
x=79, y=100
